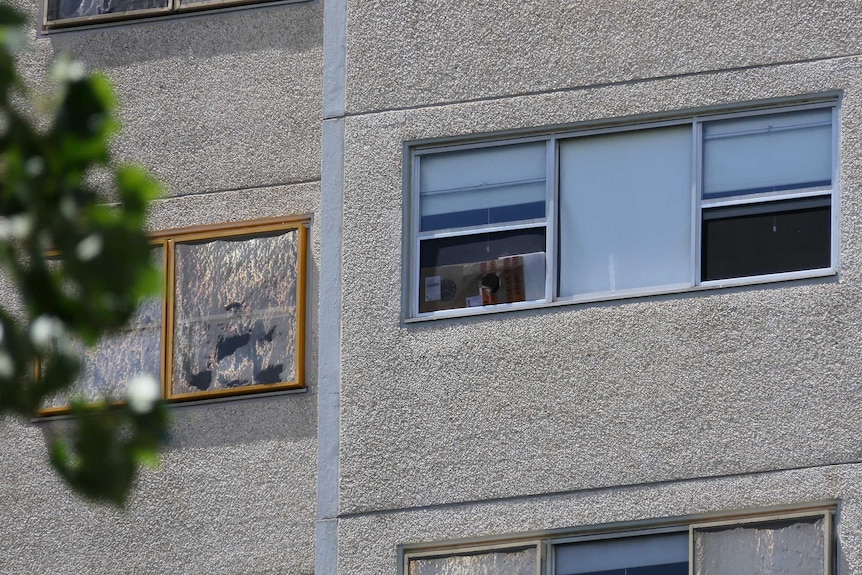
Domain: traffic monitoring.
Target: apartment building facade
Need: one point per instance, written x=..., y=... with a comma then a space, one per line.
x=580, y=286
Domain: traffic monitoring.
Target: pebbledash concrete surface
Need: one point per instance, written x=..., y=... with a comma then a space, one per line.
x=466, y=434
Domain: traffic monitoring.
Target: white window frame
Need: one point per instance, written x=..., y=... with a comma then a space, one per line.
x=550, y=222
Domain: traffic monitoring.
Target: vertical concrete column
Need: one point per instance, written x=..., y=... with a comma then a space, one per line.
x=329, y=369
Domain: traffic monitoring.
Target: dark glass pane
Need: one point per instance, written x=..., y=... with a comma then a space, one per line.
x=61, y=9
x=667, y=569
x=481, y=269
x=758, y=239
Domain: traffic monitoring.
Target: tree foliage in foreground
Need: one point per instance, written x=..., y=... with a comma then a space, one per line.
x=80, y=266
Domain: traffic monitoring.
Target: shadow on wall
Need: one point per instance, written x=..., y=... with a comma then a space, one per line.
x=291, y=417
x=286, y=28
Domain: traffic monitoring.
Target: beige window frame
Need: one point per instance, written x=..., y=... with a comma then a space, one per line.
x=547, y=541
x=173, y=7
x=168, y=240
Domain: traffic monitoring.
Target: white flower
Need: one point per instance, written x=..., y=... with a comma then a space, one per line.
x=7, y=366
x=142, y=393
x=16, y=227
x=44, y=329
x=89, y=247
x=67, y=70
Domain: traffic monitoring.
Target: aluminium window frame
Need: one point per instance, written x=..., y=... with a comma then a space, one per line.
x=415, y=152
x=167, y=241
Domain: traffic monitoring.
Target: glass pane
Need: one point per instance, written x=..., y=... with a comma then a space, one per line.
x=520, y=562
x=482, y=269
x=780, y=548
x=665, y=554
x=625, y=211
x=768, y=238
x=235, y=312
x=482, y=186
x=767, y=153
x=108, y=366
x=61, y=9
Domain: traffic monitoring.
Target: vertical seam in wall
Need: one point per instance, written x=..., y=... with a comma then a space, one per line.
x=329, y=353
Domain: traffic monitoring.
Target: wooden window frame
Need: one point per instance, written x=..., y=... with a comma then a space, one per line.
x=168, y=240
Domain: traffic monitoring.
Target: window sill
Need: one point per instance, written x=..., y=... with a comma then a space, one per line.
x=626, y=295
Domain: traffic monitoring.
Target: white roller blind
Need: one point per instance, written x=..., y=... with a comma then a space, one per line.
x=482, y=178
x=625, y=211
x=766, y=153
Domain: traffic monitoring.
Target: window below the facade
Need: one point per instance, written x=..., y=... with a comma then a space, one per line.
x=704, y=201
x=786, y=544
x=231, y=320
x=62, y=13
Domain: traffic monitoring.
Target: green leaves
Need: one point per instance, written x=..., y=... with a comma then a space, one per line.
x=81, y=266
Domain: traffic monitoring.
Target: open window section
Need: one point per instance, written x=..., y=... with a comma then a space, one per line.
x=767, y=194
x=482, y=227
x=626, y=211
x=231, y=320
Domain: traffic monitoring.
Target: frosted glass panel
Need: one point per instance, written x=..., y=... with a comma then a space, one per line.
x=108, y=366
x=236, y=322
x=670, y=551
x=767, y=153
x=480, y=186
x=785, y=548
x=625, y=211
x=521, y=562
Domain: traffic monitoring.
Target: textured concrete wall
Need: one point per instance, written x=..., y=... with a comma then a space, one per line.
x=369, y=542
x=224, y=108
x=587, y=396
x=594, y=396
x=445, y=51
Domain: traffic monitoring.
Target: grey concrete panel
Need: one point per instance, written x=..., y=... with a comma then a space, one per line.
x=234, y=495
x=404, y=53
x=588, y=396
x=215, y=101
x=368, y=543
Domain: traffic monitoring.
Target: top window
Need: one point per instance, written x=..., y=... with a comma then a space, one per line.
x=629, y=211
x=61, y=13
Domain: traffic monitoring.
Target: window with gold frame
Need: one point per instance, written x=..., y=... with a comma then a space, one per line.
x=231, y=320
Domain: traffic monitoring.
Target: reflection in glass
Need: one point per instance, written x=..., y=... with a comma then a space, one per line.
x=518, y=562
x=235, y=312
x=108, y=366
x=61, y=9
